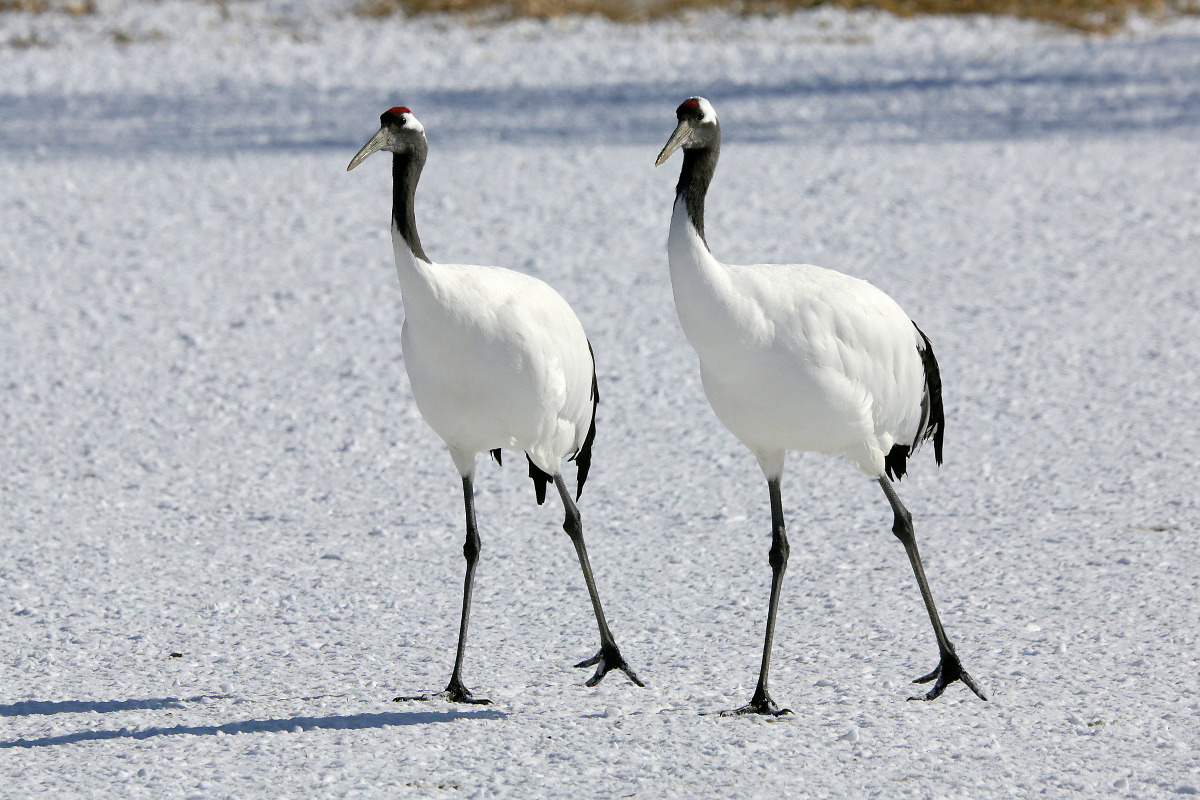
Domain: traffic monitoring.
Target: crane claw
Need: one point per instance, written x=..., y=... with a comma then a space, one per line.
x=608, y=658
x=764, y=706
x=948, y=671
x=454, y=693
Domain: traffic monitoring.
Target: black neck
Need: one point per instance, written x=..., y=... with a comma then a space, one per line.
x=699, y=164
x=406, y=171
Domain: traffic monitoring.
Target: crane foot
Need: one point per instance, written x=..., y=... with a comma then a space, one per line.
x=948, y=671
x=608, y=659
x=761, y=704
x=454, y=693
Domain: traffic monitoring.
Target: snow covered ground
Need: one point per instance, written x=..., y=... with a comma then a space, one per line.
x=210, y=448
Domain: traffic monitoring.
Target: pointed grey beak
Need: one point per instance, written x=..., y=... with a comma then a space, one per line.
x=377, y=142
x=677, y=138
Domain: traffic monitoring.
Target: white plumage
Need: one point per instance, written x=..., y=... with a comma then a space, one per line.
x=497, y=360
x=796, y=357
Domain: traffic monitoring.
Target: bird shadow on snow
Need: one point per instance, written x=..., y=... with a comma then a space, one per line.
x=937, y=101
x=343, y=722
x=30, y=708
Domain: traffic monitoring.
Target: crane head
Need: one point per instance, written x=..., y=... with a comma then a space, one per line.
x=399, y=132
x=698, y=127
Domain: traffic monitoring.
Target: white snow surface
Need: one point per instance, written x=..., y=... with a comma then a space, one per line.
x=210, y=447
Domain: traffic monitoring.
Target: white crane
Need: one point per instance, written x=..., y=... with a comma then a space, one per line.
x=795, y=357
x=497, y=360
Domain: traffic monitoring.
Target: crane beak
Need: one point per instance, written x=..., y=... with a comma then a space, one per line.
x=682, y=131
x=378, y=141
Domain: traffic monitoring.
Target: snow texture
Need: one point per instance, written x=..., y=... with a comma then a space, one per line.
x=210, y=448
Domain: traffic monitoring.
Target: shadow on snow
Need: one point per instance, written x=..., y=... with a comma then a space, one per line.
x=958, y=98
x=30, y=708
x=334, y=723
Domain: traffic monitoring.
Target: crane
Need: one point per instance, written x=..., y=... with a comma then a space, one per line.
x=497, y=360
x=796, y=357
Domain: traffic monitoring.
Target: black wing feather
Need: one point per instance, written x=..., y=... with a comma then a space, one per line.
x=933, y=416
x=583, y=458
x=540, y=479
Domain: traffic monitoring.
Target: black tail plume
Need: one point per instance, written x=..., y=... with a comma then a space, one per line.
x=935, y=425
x=540, y=479
x=933, y=417
x=583, y=458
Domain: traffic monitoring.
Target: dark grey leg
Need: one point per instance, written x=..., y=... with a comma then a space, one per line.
x=609, y=657
x=455, y=691
x=950, y=668
x=761, y=702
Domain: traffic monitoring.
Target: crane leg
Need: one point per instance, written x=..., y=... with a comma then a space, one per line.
x=761, y=702
x=949, y=668
x=455, y=691
x=609, y=657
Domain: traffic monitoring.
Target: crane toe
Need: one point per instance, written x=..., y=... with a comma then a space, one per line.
x=607, y=659
x=763, y=706
x=948, y=671
x=454, y=693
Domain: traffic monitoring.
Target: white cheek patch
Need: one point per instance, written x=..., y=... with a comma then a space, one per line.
x=412, y=123
x=707, y=113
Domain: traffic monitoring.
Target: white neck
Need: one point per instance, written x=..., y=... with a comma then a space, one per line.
x=700, y=283
x=416, y=274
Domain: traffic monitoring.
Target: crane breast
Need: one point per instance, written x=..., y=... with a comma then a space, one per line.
x=499, y=359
